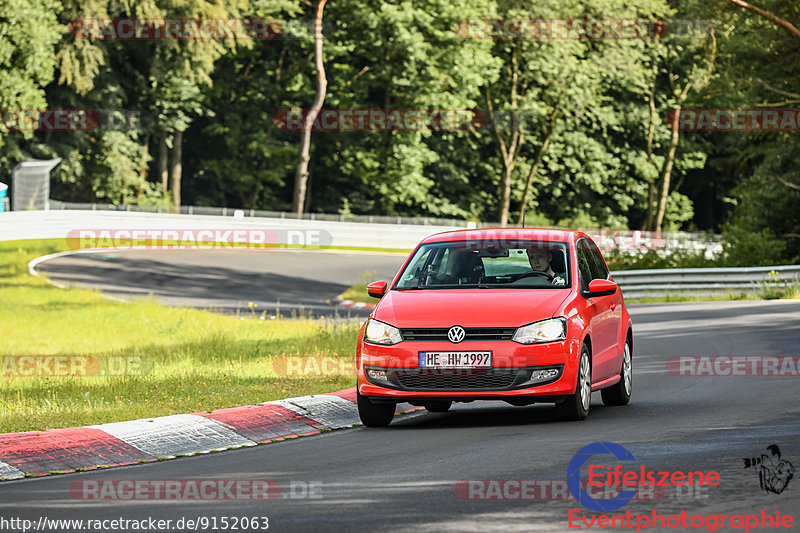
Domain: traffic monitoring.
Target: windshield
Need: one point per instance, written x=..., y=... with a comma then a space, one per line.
x=517, y=264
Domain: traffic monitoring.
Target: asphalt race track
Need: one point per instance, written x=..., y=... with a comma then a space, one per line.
x=404, y=478
x=226, y=280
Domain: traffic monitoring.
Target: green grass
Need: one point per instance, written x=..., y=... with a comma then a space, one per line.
x=679, y=298
x=195, y=360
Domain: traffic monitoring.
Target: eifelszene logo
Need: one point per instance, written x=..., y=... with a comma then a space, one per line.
x=630, y=479
x=774, y=473
x=574, y=476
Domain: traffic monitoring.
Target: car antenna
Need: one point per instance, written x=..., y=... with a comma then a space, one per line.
x=523, y=217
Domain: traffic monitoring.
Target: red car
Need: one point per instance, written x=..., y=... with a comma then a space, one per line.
x=520, y=315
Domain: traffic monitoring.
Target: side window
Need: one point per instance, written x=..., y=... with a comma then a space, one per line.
x=439, y=261
x=599, y=270
x=584, y=264
x=414, y=270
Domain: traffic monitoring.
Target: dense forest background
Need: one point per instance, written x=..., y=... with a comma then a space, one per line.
x=588, y=143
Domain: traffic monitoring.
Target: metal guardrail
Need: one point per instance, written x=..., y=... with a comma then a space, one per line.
x=705, y=281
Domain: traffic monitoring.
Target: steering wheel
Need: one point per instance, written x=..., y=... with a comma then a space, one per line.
x=535, y=273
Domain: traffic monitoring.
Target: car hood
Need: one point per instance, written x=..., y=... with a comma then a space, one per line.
x=440, y=308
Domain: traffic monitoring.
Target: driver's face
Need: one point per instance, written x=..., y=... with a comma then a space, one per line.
x=539, y=260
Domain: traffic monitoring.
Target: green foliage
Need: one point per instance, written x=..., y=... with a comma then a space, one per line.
x=621, y=260
x=679, y=211
x=588, y=99
x=28, y=31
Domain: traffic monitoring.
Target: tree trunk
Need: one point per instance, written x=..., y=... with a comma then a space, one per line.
x=163, y=172
x=651, y=198
x=301, y=176
x=651, y=186
x=531, y=174
x=177, y=166
x=143, y=172
x=508, y=154
x=666, y=170
x=508, y=168
x=535, y=167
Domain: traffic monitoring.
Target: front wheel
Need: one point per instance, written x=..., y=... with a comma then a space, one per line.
x=374, y=415
x=576, y=406
x=620, y=392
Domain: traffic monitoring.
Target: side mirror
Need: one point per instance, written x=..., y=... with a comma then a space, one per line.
x=376, y=289
x=601, y=287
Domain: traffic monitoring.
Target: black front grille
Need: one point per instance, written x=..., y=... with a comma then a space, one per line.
x=472, y=334
x=463, y=379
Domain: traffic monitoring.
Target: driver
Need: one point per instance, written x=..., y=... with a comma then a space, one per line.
x=540, y=262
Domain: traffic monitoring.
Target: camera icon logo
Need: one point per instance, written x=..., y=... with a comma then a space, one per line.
x=774, y=473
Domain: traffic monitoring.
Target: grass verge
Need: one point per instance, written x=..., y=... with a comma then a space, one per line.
x=174, y=360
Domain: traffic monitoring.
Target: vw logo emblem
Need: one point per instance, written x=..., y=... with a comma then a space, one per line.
x=456, y=334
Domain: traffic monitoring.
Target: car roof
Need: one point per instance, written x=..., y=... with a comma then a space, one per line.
x=497, y=234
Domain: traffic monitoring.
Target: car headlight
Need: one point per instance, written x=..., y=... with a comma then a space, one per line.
x=379, y=333
x=553, y=329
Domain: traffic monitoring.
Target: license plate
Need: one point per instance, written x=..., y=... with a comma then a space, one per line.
x=455, y=359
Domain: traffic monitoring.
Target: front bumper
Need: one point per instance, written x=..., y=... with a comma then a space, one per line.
x=509, y=377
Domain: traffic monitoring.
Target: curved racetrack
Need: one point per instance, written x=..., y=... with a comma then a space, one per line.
x=404, y=478
x=225, y=280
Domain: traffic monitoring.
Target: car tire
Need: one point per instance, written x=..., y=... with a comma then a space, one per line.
x=576, y=406
x=374, y=415
x=438, y=406
x=620, y=392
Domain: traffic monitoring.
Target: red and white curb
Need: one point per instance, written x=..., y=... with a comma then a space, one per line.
x=39, y=453
x=350, y=304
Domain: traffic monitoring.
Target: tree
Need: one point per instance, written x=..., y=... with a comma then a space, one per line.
x=384, y=55
x=760, y=65
x=573, y=141
x=29, y=31
x=301, y=177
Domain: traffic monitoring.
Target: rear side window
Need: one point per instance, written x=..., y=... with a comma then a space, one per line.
x=584, y=264
x=599, y=270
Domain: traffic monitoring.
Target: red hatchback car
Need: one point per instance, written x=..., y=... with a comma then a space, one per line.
x=520, y=315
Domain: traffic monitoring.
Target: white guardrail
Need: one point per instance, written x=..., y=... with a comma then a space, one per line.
x=59, y=224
